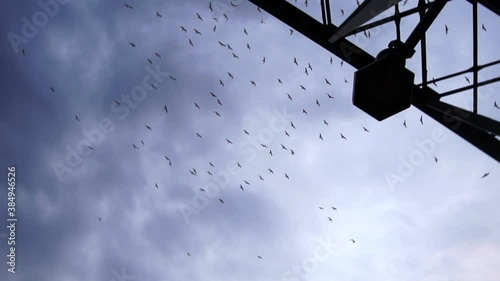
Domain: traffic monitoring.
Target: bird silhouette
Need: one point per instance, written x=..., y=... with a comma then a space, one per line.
x=150, y=62
x=320, y=136
x=241, y=187
x=148, y=127
x=77, y=119
x=333, y=208
x=229, y=47
x=304, y=111
x=283, y=147
x=327, y=82
x=345, y=81
x=286, y=133
x=264, y=60
x=330, y=219
x=253, y=83
x=293, y=126
x=341, y=63
x=222, y=44
x=245, y=31
x=259, y=257
x=303, y=88
x=353, y=241
x=230, y=75
x=235, y=56
x=248, y=46
x=246, y=132
x=135, y=147
x=435, y=159
x=305, y=71
x=342, y=11
x=158, y=55
x=183, y=29
x=156, y=185
x=495, y=105
x=210, y=7
x=279, y=81
x=211, y=165
x=289, y=97
x=209, y=173
x=309, y=66
x=196, y=31
x=199, y=17
x=446, y=29
x=271, y=171
x=153, y=86
x=199, y=135
x=317, y=102
x=483, y=27
x=330, y=96
x=295, y=61
x=324, y=122
x=188, y=254
x=132, y=44
x=228, y=141
x=331, y=60
x=142, y=142
x=52, y=89
x=292, y=152
x=271, y=152
x=366, y=130
x=342, y=136
x=128, y=6
x=421, y=120
x=222, y=83
x=467, y=79
x=291, y=31
x=215, y=28
x=225, y=16
x=246, y=182
x=404, y=124
x=191, y=43
x=263, y=145
x=90, y=148
x=197, y=106
x=260, y=177
x=286, y=176
x=158, y=14
x=258, y=10
x=485, y=175
x=239, y=166
x=165, y=108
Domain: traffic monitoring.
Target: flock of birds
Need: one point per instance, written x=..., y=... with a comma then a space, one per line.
x=307, y=70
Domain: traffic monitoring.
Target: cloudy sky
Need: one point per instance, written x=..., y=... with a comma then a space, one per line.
x=96, y=213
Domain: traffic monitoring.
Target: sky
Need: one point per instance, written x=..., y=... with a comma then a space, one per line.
x=97, y=198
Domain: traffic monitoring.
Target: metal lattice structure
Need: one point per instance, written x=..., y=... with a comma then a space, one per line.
x=480, y=131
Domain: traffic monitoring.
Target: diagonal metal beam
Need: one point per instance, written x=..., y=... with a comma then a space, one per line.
x=368, y=10
x=472, y=129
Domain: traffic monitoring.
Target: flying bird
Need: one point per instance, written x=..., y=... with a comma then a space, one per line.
x=342, y=11
x=485, y=175
x=333, y=208
x=150, y=62
x=279, y=81
x=222, y=44
x=345, y=81
x=147, y=127
x=309, y=66
x=331, y=60
x=324, y=122
x=342, y=136
x=197, y=106
x=293, y=126
x=271, y=152
x=295, y=61
x=246, y=182
x=435, y=159
x=317, y=102
x=142, y=142
x=52, y=89
x=366, y=130
x=230, y=75
x=229, y=47
x=495, y=105
x=210, y=7
x=330, y=96
x=467, y=79
x=191, y=43
x=446, y=29
x=330, y=219
x=135, y=147
x=90, y=148
x=165, y=108
x=286, y=133
x=183, y=29
x=286, y=176
x=228, y=141
x=259, y=257
x=156, y=185
x=198, y=135
x=320, y=136
x=283, y=147
x=199, y=17
x=327, y=82
x=248, y=46
x=303, y=88
x=245, y=31
x=421, y=120
x=77, y=119
x=158, y=55
x=132, y=44
x=264, y=60
x=241, y=187
x=219, y=103
x=246, y=132
x=404, y=124
x=215, y=28
x=304, y=111
x=128, y=6
x=484, y=28
x=253, y=83
x=153, y=86
x=239, y=166
x=222, y=83
x=188, y=254
x=271, y=171
x=289, y=97
x=225, y=16
x=260, y=178
x=235, y=56
x=212, y=165
x=158, y=14
x=196, y=31
x=291, y=31
x=353, y=241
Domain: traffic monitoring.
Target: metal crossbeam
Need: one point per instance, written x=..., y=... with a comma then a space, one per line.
x=478, y=130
